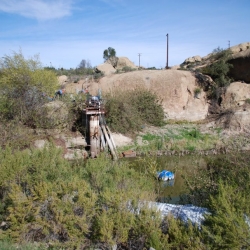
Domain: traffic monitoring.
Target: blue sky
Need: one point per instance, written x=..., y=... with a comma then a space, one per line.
x=63, y=32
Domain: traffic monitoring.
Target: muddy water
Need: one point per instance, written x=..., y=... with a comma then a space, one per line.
x=170, y=192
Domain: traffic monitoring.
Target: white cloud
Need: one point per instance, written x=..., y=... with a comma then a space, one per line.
x=38, y=9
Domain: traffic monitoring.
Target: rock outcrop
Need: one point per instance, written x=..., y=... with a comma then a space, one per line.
x=62, y=80
x=175, y=88
x=110, y=66
x=235, y=103
x=193, y=59
x=241, y=65
x=240, y=60
x=106, y=68
x=72, y=144
x=236, y=95
x=125, y=62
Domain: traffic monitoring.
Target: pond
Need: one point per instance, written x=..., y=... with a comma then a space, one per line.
x=170, y=191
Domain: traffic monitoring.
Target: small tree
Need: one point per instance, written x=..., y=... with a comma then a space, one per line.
x=84, y=64
x=109, y=55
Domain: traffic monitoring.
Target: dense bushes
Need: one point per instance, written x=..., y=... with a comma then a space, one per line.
x=46, y=199
x=24, y=88
x=129, y=110
x=218, y=70
x=224, y=188
x=220, y=67
x=82, y=205
x=16, y=71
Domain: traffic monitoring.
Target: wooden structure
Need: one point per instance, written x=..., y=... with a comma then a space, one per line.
x=98, y=134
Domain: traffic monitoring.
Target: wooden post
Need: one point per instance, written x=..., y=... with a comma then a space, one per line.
x=111, y=138
x=103, y=143
x=94, y=136
x=109, y=142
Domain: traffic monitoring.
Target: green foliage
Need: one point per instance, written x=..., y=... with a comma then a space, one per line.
x=25, y=87
x=109, y=53
x=128, y=69
x=178, y=138
x=147, y=229
x=128, y=111
x=150, y=137
x=181, y=236
x=232, y=169
x=16, y=71
x=8, y=245
x=218, y=70
x=98, y=75
x=226, y=228
x=44, y=198
x=197, y=91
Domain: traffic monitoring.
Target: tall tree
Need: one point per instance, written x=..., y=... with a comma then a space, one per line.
x=109, y=55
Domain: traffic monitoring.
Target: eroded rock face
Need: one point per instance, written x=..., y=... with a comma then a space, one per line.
x=106, y=68
x=236, y=95
x=72, y=143
x=125, y=62
x=237, y=120
x=235, y=103
x=193, y=59
x=241, y=66
x=175, y=88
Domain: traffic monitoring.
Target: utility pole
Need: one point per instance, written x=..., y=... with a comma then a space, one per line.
x=139, y=54
x=229, y=44
x=167, y=53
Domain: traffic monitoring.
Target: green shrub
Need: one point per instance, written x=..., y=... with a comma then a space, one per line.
x=128, y=111
x=25, y=86
x=219, y=68
x=197, y=91
x=226, y=228
x=98, y=75
x=16, y=71
x=127, y=69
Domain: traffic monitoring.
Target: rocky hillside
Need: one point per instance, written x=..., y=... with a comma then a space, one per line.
x=240, y=60
x=182, y=92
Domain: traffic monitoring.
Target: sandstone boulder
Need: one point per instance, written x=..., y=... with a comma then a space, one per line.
x=62, y=80
x=237, y=120
x=176, y=89
x=125, y=62
x=40, y=143
x=240, y=47
x=236, y=95
x=106, y=68
x=113, y=61
x=72, y=143
x=75, y=142
x=192, y=59
x=75, y=154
